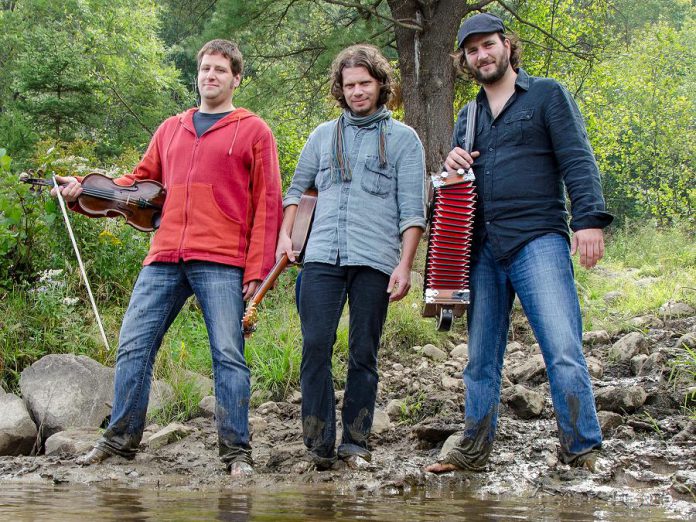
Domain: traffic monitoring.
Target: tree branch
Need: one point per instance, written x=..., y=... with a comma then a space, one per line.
x=405, y=22
x=125, y=104
x=583, y=56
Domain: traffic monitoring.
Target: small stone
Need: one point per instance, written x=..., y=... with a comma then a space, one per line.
x=268, y=407
x=451, y=442
x=295, y=397
x=652, y=364
x=451, y=383
x=434, y=353
x=595, y=367
x=257, y=424
x=529, y=369
x=394, y=409
x=460, y=351
x=171, y=433
x=609, y=421
x=526, y=403
x=612, y=297
x=207, y=406
x=687, y=340
x=513, y=347
x=676, y=309
x=647, y=321
x=637, y=363
x=596, y=337
x=398, y=367
x=380, y=422
x=628, y=346
x=620, y=400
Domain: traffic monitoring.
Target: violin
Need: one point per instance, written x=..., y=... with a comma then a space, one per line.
x=140, y=203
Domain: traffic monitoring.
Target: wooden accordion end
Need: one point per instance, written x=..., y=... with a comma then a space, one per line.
x=446, y=284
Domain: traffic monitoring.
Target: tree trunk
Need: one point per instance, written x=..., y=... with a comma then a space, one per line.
x=427, y=71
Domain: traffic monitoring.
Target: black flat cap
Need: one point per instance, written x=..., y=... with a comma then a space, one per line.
x=477, y=24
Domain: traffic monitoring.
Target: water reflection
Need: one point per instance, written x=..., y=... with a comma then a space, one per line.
x=29, y=502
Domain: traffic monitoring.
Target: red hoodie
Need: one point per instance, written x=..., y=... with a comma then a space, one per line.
x=223, y=200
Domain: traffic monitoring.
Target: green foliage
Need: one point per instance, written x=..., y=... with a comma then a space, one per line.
x=684, y=371
x=640, y=117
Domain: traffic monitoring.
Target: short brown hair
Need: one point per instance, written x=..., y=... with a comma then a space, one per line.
x=369, y=57
x=228, y=49
x=515, y=55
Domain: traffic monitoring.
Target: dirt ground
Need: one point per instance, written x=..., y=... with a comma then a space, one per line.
x=648, y=459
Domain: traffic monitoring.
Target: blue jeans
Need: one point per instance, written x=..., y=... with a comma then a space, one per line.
x=159, y=294
x=323, y=294
x=541, y=275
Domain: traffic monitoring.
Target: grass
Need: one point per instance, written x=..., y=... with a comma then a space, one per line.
x=647, y=266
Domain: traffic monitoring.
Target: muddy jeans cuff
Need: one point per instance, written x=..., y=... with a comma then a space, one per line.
x=116, y=446
x=231, y=454
x=469, y=454
x=572, y=458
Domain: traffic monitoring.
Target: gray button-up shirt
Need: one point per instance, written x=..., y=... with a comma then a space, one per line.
x=360, y=222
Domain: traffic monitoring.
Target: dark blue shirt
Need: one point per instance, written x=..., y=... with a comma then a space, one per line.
x=202, y=121
x=534, y=148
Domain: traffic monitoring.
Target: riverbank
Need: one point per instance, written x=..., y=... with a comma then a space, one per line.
x=649, y=454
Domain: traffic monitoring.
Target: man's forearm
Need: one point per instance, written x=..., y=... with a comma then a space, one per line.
x=409, y=245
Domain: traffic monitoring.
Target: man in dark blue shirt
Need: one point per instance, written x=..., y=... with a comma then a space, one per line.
x=530, y=148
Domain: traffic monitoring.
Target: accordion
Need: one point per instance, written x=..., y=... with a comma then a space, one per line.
x=446, y=281
x=451, y=214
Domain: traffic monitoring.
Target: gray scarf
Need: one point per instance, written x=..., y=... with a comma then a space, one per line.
x=340, y=155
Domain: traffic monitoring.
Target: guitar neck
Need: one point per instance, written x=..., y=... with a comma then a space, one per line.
x=267, y=283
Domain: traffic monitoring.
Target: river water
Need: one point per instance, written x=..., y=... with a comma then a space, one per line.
x=33, y=502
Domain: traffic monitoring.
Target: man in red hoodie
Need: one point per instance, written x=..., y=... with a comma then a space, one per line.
x=216, y=240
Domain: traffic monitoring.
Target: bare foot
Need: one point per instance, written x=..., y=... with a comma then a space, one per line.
x=439, y=467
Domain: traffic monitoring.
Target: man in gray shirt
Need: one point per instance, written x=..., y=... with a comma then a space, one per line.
x=369, y=172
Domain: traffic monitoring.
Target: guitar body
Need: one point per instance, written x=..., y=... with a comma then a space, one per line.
x=301, y=229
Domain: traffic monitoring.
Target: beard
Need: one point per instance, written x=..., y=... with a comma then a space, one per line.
x=490, y=78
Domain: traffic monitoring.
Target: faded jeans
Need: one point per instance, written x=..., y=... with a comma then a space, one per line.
x=323, y=294
x=541, y=275
x=159, y=294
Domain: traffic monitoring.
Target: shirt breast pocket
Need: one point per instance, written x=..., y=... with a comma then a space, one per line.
x=324, y=177
x=517, y=127
x=377, y=180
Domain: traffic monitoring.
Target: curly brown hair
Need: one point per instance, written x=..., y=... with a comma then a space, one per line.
x=459, y=57
x=228, y=49
x=369, y=57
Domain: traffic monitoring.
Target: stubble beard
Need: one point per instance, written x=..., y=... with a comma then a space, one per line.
x=491, y=78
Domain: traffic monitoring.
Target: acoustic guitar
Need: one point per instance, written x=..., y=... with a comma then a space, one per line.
x=299, y=235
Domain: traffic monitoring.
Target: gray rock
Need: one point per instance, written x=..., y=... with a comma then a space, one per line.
x=609, y=421
x=526, y=403
x=257, y=424
x=65, y=390
x=637, y=362
x=268, y=407
x=613, y=296
x=460, y=351
x=72, y=442
x=687, y=340
x=434, y=353
x=434, y=433
x=529, y=369
x=452, y=383
x=394, y=409
x=207, y=406
x=688, y=434
x=380, y=422
x=620, y=400
x=17, y=430
x=676, y=309
x=202, y=384
x=595, y=367
x=161, y=395
x=647, y=321
x=295, y=397
x=596, y=337
x=513, y=347
x=628, y=347
x=653, y=364
x=646, y=281
x=170, y=433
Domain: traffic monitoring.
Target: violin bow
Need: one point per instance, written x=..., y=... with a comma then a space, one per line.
x=64, y=210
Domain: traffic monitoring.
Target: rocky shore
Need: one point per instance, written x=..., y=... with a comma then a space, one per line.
x=649, y=454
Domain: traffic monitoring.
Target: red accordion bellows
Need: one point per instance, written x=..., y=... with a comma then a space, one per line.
x=446, y=283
